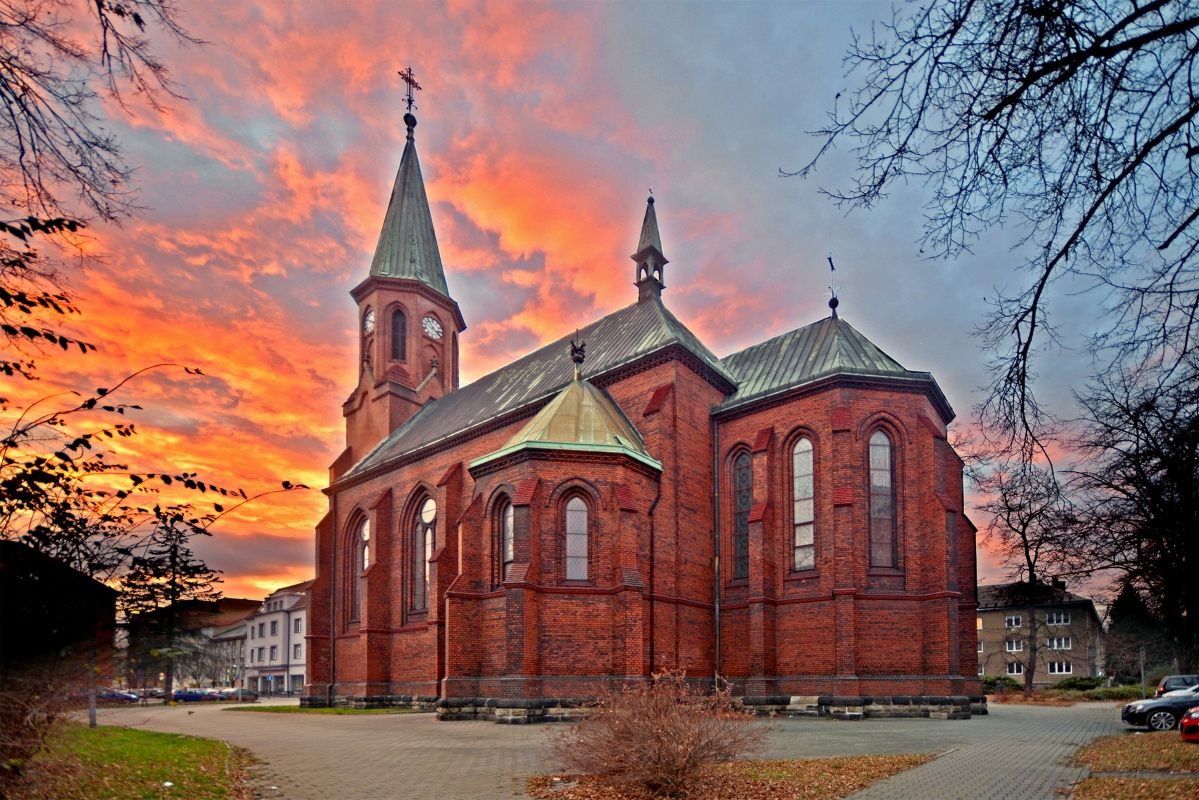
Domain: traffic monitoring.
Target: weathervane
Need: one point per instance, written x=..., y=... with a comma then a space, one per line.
x=833, y=302
x=578, y=351
x=410, y=79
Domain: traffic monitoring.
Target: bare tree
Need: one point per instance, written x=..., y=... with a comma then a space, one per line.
x=1139, y=509
x=1074, y=119
x=1026, y=509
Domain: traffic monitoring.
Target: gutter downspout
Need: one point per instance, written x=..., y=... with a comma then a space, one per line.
x=332, y=600
x=716, y=538
x=652, y=585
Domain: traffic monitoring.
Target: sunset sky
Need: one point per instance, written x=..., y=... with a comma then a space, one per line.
x=541, y=129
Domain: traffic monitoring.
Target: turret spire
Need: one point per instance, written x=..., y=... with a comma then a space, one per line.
x=408, y=244
x=650, y=261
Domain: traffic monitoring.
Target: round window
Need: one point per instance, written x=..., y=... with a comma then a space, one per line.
x=428, y=511
x=366, y=531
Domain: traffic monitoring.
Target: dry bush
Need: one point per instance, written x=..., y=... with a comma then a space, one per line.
x=33, y=698
x=658, y=735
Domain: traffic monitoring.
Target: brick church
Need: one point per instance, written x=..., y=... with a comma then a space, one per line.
x=789, y=517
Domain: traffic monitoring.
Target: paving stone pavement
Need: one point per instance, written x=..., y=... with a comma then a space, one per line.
x=1015, y=753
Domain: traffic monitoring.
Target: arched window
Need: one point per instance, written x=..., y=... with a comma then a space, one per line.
x=576, y=539
x=882, y=502
x=804, y=491
x=424, y=542
x=505, y=519
x=743, y=500
x=361, y=560
x=399, y=336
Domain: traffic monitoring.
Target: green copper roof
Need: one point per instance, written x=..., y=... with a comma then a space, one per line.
x=829, y=347
x=408, y=244
x=581, y=418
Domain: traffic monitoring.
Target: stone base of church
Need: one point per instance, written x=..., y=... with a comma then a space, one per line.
x=512, y=712
x=854, y=707
x=417, y=702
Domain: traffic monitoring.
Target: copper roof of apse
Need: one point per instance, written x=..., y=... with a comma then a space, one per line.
x=407, y=245
x=581, y=418
x=622, y=337
x=829, y=347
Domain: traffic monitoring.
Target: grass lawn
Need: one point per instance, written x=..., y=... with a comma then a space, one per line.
x=1141, y=752
x=335, y=710
x=811, y=779
x=84, y=763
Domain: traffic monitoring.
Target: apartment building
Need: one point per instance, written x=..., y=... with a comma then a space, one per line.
x=1067, y=627
x=275, y=646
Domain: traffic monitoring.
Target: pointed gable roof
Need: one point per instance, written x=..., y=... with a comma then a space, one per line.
x=649, y=234
x=637, y=331
x=581, y=418
x=407, y=245
x=829, y=347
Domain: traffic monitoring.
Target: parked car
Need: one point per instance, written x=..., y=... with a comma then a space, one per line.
x=1183, y=692
x=1159, y=714
x=246, y=694
x=1190, y=725
x=109, y=697
x=1172, y=682
x=192, y=696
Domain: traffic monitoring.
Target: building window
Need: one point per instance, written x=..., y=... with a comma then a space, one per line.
x=1015, y=668
x=262, y=654
x=1015, y=645
x=1061, y=668
x=804, y=491
x=506, y=519
x=261, y=629
x=274, y=652
x=362, y=560
x=882, y=502
x=424, y=542
x=295, y=651
x=251, y=655
x=298, y=625
x=576, y=539
x=1058, y=618
x=1059, y=643
x=980, y=668
x=399, y=336
x=251, y=631
x=1013, y=622
x=274, y=627
x=743, y=500
x=978, y=623
x=980, y=647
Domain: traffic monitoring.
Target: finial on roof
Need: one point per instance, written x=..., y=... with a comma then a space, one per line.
x=833, y=302
x=578, y=352
x=410, y=99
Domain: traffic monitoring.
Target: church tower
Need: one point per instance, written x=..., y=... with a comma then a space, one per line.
x=651, y=264
x=408, y=325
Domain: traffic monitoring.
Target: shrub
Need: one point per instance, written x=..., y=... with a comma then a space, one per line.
x=33, y=698
x=659, y=735
x=1079, y=683
x=1001, y=683
x=1115, y=693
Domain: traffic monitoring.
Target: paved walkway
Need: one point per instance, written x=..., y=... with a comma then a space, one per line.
x=1016, y=752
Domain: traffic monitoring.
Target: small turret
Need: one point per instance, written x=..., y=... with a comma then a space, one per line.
x=650, y=261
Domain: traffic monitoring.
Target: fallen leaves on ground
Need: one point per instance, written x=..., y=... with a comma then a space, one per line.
x=809, y=779
x=1137, y=789
x=1141, y=752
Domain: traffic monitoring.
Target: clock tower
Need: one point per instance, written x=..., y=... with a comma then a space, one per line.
x=408, y=325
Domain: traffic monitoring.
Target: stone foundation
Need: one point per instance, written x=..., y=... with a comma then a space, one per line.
x=865, y=707
x=419, y=702
x=511, y=712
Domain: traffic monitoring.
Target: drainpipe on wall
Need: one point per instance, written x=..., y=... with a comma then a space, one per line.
x=716, y=538
x=332, y=601
x=652, y=585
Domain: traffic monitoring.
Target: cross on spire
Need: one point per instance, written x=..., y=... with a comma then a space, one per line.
x=833, y=302
x=410, y=79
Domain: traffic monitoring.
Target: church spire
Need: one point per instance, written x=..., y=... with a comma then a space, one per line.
x=408, y=244
x=650, y=261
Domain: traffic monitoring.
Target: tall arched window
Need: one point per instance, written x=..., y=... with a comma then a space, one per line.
x=882, y=502
x=743, y=500
x=505, y=518
x=399, y=336
x=362, y=557
x=424, y=541
x=576, y=539
x=804, y=491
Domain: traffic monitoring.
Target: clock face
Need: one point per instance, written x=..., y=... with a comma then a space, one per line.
x=368, y=322
x=432, y=327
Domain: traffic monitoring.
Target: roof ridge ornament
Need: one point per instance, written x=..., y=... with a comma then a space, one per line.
x=578, y=352
x=409, y=98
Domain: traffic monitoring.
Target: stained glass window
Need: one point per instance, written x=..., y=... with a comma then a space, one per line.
x=743, y=483
x=882, y=502
x=576, y=539
x=424, y=542
x=506, y=518
x=804, y=511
